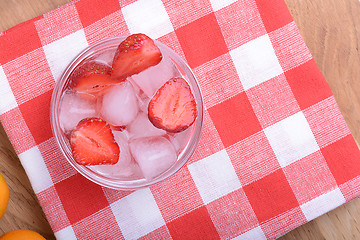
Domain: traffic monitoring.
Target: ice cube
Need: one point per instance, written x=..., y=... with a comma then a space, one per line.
x=119, y=105
x=154, y=77
x=181, y=139
x=142, y=127
x=125, y=167
x=143, y=101
x=137, y=89
x=105, y=57
x=74, y=108
x=153, y=154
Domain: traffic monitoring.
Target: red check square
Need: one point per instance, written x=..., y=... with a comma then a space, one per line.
x=194, y=225
x=36, y=113
x=124, y=3
x=239, y=27
x=218, y=80
x=308, y=84
x=232, y=214
x=271, y=196
x=17, y=43
x=198, y=37
x=252, y=163
x=80, y=197
x=100, y=225
x=273, y=101
x=176, y=196
x=274, y=14
x=234, y=119
x=53, y=209
x=326, y=122
x=309, y=177
x=185, y=12
x=91, y=11
x=289, y=46
x=343, y=159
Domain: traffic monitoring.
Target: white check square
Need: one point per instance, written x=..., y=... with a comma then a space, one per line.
x=8, y=101
x=148, y=17
x=137, y=214
x=291, y=139
x=66, y=233
x=61, y=52
x=322, y=204
x=218, y=4
x=256, y=62
x=214, y=176
x=36, y=169
x=253, y=234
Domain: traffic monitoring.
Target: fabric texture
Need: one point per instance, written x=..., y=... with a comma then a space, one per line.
x=275, y=151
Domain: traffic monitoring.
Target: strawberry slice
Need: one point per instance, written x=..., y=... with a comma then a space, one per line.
x=173, y=107
x=91, y=78
x=93, y=143
x=135, y=54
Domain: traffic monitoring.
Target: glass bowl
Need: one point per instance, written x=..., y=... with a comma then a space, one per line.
x=63, y=141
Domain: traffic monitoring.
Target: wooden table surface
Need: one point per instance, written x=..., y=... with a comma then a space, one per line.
x=331, y=30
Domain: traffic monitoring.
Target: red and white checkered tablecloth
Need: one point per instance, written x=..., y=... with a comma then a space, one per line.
x=275, y=152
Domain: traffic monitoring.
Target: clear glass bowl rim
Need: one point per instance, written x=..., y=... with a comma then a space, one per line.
x=117, y=184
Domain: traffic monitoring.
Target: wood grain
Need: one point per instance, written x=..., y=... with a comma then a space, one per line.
x=331, y=30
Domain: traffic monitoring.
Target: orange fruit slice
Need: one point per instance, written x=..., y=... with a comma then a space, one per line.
x=22, y=234
x=4, y=195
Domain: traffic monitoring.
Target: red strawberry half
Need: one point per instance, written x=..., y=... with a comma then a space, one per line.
x=135, y=54
x=173, y=107
x=93, y=143
x=91, y=77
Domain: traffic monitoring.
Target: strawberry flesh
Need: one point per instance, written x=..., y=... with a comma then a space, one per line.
x=118, y=128
x=91, y=78
x=93, y=143
x=173, y=107
x=135, y=54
